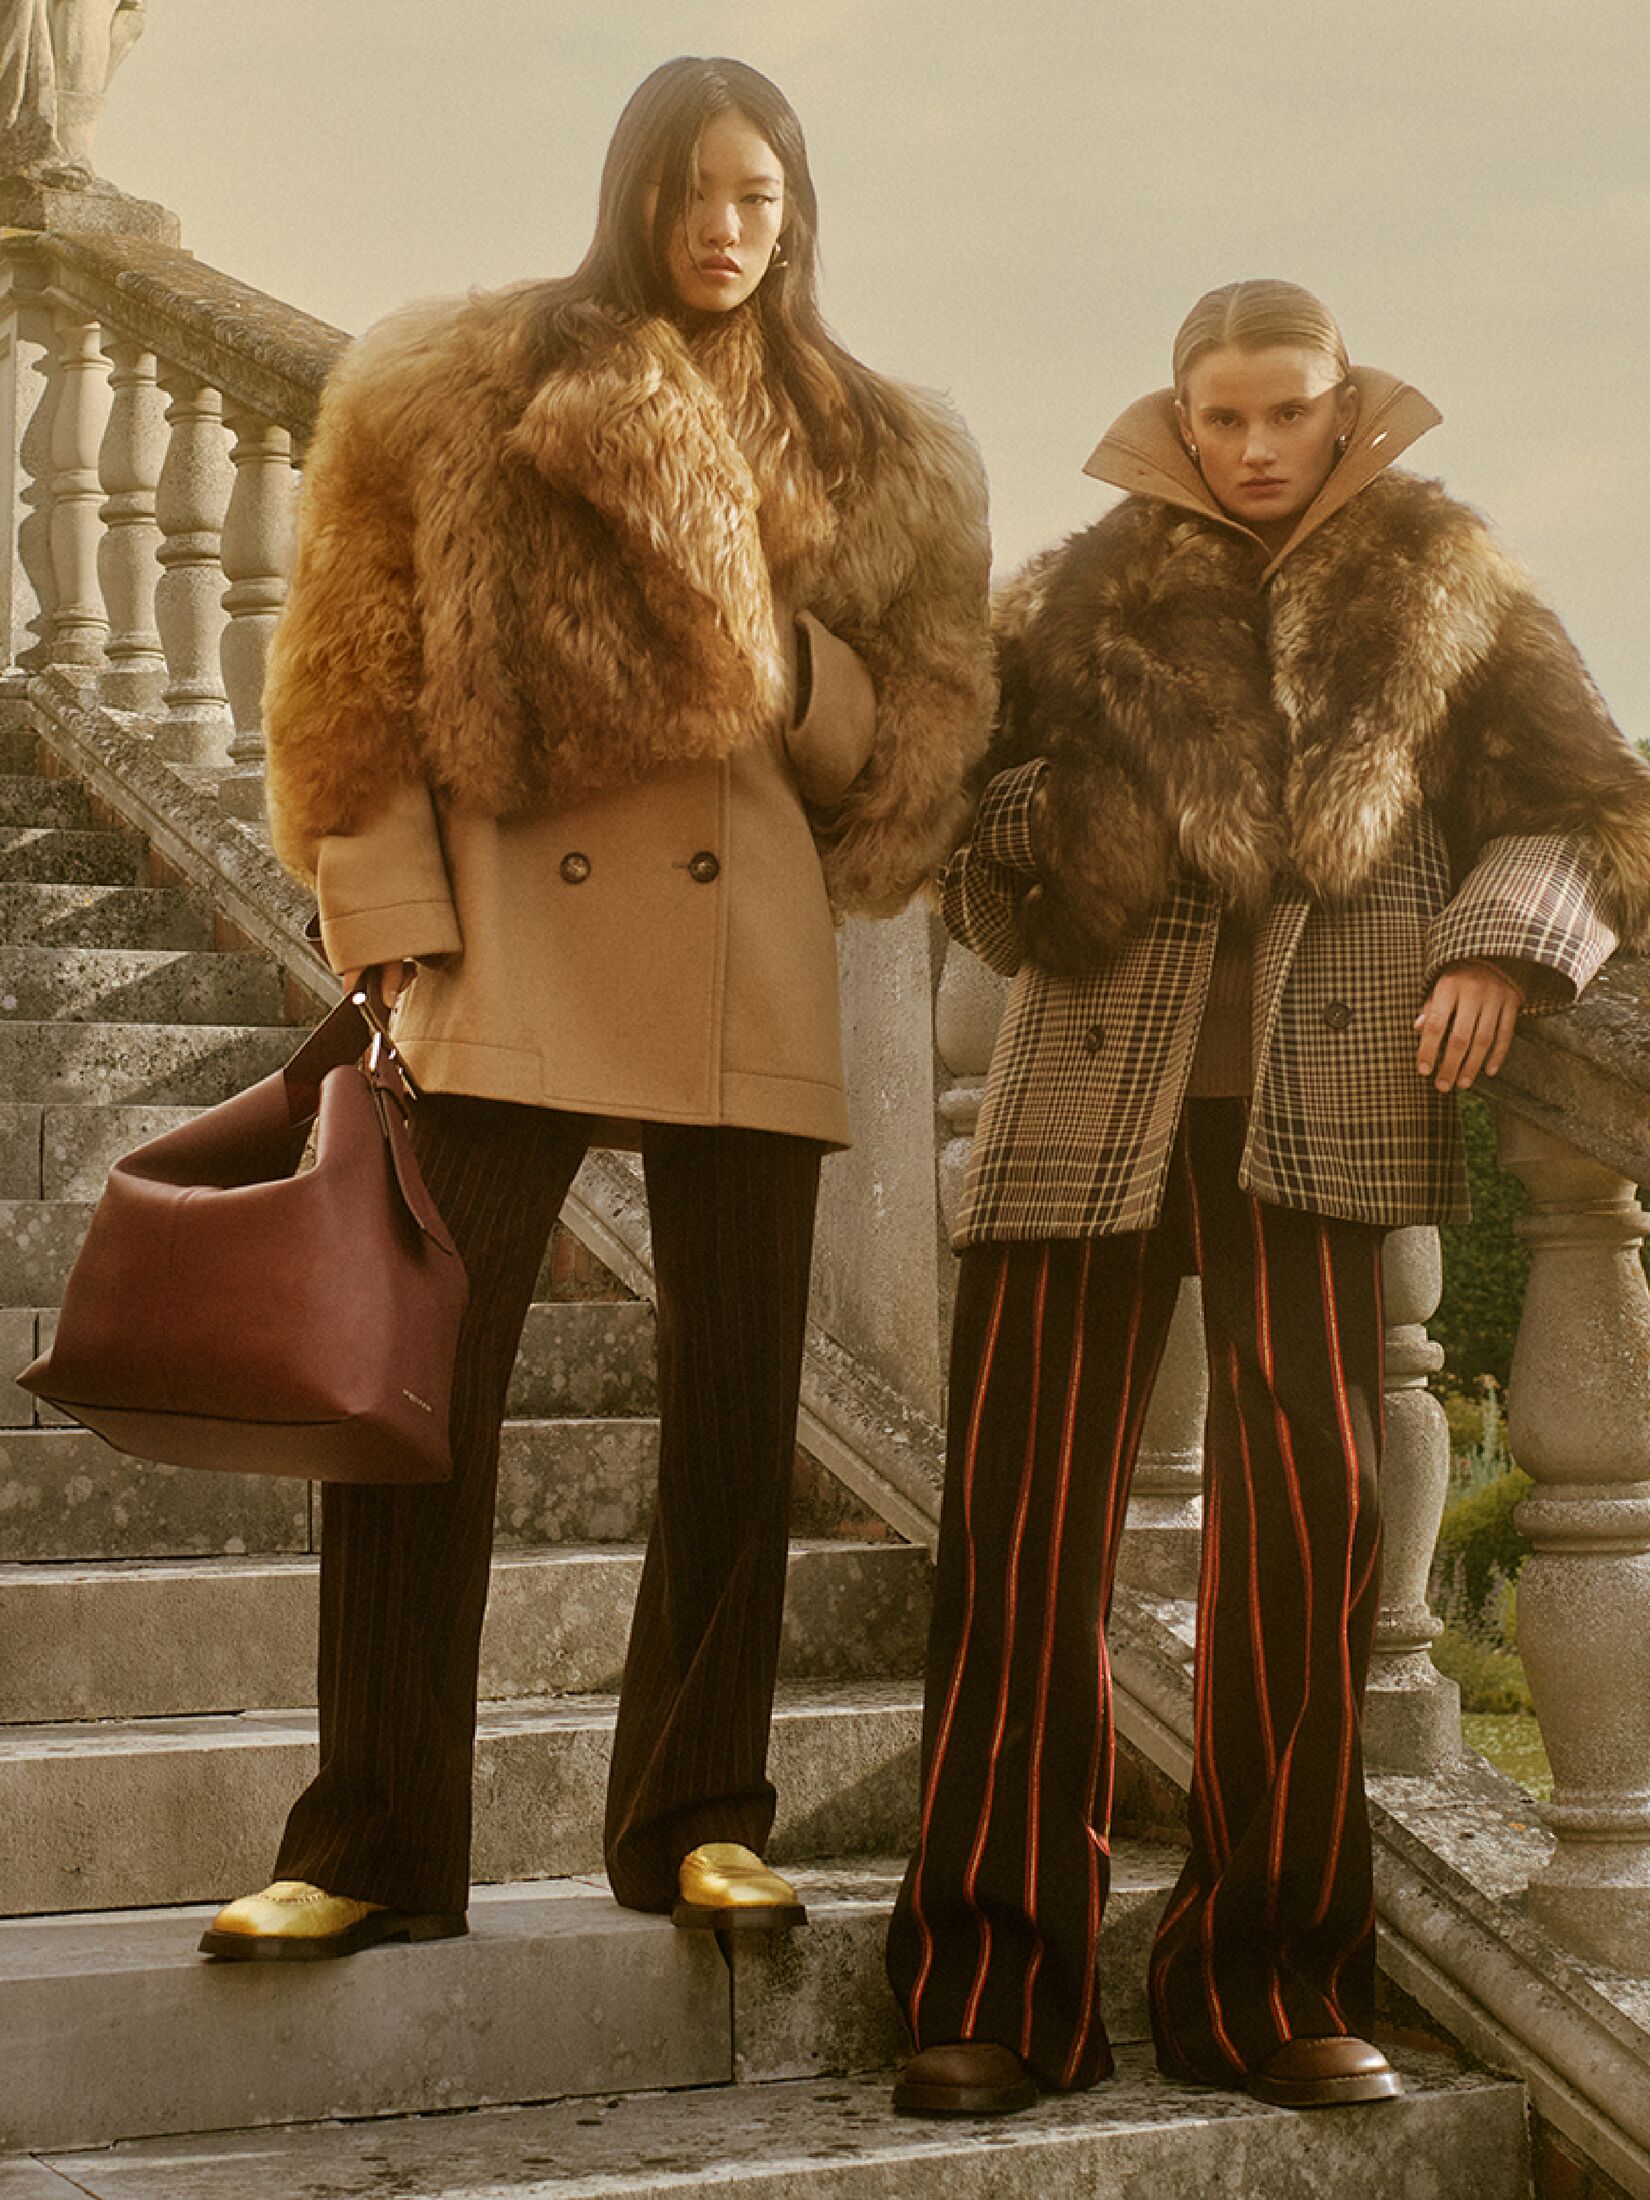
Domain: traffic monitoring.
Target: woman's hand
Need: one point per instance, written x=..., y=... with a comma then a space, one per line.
x=391, y=978
x=1467, y=1024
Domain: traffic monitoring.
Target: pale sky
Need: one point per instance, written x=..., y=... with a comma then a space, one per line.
x=1019, y=203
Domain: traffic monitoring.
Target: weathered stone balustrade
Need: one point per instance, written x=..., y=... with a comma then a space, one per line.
x=155, y=412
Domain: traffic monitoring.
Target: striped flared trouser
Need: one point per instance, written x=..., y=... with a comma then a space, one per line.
x=404, y=1570
x=1270, y=1933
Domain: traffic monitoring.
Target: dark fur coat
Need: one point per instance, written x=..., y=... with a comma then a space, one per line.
x=1195, y=721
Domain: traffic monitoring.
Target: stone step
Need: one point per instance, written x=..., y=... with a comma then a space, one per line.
x=39, y=1239
x=168, y=1065
x=27, y=799
x=19, y=750
x=64, y=1494
x=48, y=854
x=127, y=985
x=1457, y=2135
x=101, y=916
x=125, y=1814
x=189, y=1638
x=113, y=2027
x=585, y=1356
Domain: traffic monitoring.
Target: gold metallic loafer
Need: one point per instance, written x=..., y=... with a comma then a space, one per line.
x=726, y=1887
x=293, y=1922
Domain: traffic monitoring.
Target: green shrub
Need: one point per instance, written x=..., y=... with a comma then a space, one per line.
x=1486, y=1265
x=1489, y=1675
x=1479, y=1549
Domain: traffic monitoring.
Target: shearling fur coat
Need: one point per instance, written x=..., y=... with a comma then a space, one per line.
x=532, y=589
x=1377, y=748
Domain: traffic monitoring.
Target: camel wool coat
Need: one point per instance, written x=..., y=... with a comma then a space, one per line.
x=531, y=712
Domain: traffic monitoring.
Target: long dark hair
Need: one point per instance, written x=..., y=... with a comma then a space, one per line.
x=837, y=401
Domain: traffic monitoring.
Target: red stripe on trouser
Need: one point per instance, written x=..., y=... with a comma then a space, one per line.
x=971, y=1950
x=936, y=1751
x=404, y=1572
x=1229, y=1980
x=1068, y=1433
x=1274, y=1939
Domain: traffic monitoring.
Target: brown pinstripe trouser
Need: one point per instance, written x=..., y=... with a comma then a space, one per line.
x=1269, y=1934
x=404, y=1571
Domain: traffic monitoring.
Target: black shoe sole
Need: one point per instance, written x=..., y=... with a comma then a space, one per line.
x=774, y=1917
x=372, y=1931
x=964, y=2100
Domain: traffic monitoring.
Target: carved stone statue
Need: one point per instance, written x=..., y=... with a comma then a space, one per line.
x=56, y=60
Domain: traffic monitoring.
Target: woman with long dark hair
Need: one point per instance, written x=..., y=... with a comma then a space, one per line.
x=635, y=627
x=1298, y=798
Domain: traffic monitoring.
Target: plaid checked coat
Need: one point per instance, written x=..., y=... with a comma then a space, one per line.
x=1380, y=748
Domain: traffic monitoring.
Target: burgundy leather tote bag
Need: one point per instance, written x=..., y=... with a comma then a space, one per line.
x=230, y=1310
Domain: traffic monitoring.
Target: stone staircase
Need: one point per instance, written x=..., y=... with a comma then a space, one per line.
x=156, y=1655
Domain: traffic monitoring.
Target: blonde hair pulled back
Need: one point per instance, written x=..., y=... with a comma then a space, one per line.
x=1254, y=316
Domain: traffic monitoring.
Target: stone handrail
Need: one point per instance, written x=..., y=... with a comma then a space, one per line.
x=157, y=443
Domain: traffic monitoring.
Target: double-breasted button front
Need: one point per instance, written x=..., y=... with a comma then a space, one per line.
x=1094, y=1038
x=575, y=869
x=704, y=869
x=1337, y=1015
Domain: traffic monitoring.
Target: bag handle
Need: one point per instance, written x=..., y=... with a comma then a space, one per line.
x=355, y=1028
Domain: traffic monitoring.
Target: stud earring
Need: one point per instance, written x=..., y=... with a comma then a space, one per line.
x=1193, y=453
x=1341, y=442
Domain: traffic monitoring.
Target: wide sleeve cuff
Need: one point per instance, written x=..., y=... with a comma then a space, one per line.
x=1002, y=830
x=1532, y=901
x=831, y=743
x=384, y=891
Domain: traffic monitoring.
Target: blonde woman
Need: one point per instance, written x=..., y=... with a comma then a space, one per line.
x=1298, y=799
x=635, y=624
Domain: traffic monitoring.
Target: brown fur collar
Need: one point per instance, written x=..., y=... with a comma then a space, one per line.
x=534, y=590
x=1195, y=720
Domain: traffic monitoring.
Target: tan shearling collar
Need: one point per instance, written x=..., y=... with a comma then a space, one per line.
x=1142, y=452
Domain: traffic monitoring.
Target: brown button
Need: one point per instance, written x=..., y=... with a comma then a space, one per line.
x=704, y=869
x=1337, y=1015
x=575, y=869
x=1094, y=1038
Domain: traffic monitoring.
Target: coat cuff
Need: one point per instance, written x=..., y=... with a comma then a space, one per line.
x=1530, y=899
x=831, y=743
x=384, y=891
x=1002, y=830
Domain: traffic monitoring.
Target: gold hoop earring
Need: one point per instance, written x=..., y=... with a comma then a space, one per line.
x=779, y=256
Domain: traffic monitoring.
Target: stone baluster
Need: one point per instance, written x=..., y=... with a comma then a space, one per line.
x=1163, y=1528
x=1412, y=1714
x=29, y=383
x=134, y=448
x=1579, y=1423
x=257, y=557
x=968, y=1007
x=79, y=625
x=189, y=506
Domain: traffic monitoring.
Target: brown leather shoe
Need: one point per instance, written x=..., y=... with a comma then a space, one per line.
x=1325, y=2073
x=966, y=2078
